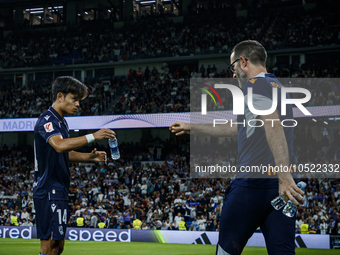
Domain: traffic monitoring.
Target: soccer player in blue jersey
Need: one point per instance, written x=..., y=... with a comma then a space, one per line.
x=53, y=151
x=247, y=204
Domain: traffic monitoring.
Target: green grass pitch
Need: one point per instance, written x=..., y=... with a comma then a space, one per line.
x=32, y=247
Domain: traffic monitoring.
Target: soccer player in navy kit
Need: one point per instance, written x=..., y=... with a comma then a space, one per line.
x=53, y=151
x=247, y=200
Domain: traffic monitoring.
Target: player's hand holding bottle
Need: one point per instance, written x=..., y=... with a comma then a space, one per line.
x=104, y=133
x=292, y=192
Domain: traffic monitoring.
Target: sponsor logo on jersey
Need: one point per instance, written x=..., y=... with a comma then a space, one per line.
x=49, y=127
x=252, y=80
x=53, y=206
x=47, y=117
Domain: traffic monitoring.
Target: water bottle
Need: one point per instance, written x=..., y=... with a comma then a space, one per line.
x=278, y=202
x=290, y=209
x=113, y=143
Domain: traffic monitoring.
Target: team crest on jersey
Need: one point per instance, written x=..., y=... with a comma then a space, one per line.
x=49, y=127
x=61, y=231
x=47, y=117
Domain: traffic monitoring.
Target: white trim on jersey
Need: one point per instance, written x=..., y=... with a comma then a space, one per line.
x=60, y=121
x=54, y=115
x=53, y=135
x=35, y=159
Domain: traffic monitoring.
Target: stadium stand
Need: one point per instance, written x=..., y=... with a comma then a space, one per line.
x=153, y=91
x=97, y=41
x=151, y=182
x=19, y=102
x=299, y=28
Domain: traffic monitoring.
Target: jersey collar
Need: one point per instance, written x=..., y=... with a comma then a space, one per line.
x=55, y=113
x=264, y=75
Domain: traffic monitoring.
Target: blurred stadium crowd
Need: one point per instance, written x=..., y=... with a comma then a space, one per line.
x=20, y=102
x=151, y=183
x=153, y=91
x=98, y=41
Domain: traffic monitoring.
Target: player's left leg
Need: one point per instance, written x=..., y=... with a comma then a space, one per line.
x=61, y=246
x=59, y=224
x=243, y=211
x=279, y=232
x=44, y=247
x=43, y=221
x=55, y=246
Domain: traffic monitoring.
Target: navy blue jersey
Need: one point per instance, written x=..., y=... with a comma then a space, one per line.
x=52, y=175
x=253, y=148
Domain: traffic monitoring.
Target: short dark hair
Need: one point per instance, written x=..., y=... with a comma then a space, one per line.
x=252, y=50
x=68, y=84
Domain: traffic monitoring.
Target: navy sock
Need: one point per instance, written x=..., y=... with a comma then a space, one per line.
x=42, y=253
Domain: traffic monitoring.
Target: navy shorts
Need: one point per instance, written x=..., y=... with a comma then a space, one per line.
x=51, y=218
x=244, y=210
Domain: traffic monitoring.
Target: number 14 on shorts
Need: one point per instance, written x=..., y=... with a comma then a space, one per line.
x=62, y=217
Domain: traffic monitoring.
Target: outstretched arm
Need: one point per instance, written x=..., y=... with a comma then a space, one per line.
x=181, y=128
x=66, y=145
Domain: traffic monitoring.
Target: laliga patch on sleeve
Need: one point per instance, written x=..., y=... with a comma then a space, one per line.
x=49, y=127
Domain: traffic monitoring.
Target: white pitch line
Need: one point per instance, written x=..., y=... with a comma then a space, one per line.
x=18, y=242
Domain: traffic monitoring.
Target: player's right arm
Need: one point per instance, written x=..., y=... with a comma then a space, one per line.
x=65, y=145
x=278, y=145
x=181, y=128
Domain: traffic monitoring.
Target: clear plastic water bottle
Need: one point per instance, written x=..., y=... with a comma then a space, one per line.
x=278, y=202
x=290, y=209
x=113, y=143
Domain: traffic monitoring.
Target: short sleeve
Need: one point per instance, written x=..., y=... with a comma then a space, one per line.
x=47, y=129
